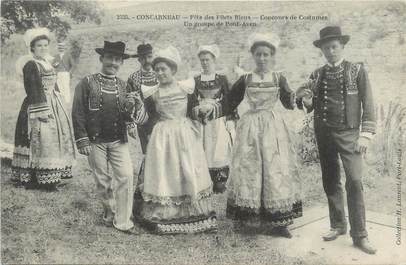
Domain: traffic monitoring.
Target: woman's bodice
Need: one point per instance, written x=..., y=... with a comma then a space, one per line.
x=262, y=94
x=47, y=75
x=208, y=86
x=171, y=103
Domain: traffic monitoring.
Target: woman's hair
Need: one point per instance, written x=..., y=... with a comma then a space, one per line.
x=170, y=63
x=263, y=43
x=41, y=37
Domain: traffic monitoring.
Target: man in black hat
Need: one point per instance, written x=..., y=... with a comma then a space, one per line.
x=344, y=122
x=140, y=82
x=103, y=113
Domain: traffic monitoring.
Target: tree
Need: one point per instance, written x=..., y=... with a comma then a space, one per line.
x=19, y=15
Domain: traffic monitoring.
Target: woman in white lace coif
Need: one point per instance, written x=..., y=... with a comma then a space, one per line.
x=44, y=146
x=264, y=184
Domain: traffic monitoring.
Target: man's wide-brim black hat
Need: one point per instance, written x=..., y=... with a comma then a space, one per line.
x=117, y=48
x=143, y=49
x=329, y=33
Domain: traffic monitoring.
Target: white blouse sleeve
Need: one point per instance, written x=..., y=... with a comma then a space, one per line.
x=187, y=85
x=148, y=91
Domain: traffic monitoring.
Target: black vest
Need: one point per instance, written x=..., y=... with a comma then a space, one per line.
x=342, y=107
x=330, y=103
x=106, y=120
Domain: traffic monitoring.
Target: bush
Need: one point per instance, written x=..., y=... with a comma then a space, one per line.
x=307, y=144
x=389, y=141
x=385, y=150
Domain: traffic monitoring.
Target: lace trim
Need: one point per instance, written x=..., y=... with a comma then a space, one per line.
x=177, y=200
x=25, y=178
x=21, y=174
x=272, y=206
x=66, y=173
x=43, y=176
x=186, y=228
x=48, y=176
x=264, y=215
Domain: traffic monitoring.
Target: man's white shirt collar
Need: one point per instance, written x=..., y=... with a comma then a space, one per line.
x=108, y=76
x=336, y=63
x=146, y=71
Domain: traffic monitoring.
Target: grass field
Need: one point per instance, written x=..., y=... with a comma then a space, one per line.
x=65, y=227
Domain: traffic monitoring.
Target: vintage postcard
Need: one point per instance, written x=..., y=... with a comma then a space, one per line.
x=203, y=132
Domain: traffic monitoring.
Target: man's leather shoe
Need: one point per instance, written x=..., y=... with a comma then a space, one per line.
x=108, y=218
x=333, y=234
x=364, y=245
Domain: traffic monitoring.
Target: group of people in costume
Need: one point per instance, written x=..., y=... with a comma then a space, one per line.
x=193, y=140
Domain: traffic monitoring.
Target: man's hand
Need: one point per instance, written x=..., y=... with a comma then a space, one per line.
x=85, y=150
x=132, y=132
x=306, y=89
x=362, y=145
x=133, y=102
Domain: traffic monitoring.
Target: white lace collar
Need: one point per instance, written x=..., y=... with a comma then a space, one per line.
x=209, y=77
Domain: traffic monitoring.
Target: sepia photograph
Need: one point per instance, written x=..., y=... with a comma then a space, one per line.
x=203, y=132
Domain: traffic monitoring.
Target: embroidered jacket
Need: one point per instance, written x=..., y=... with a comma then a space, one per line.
x=357, y=101
x=88, y=112
x=135, y=83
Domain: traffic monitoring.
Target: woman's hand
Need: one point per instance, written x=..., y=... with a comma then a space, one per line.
x=204, y=109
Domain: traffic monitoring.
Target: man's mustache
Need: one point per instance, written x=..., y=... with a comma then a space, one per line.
x=112, y=65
